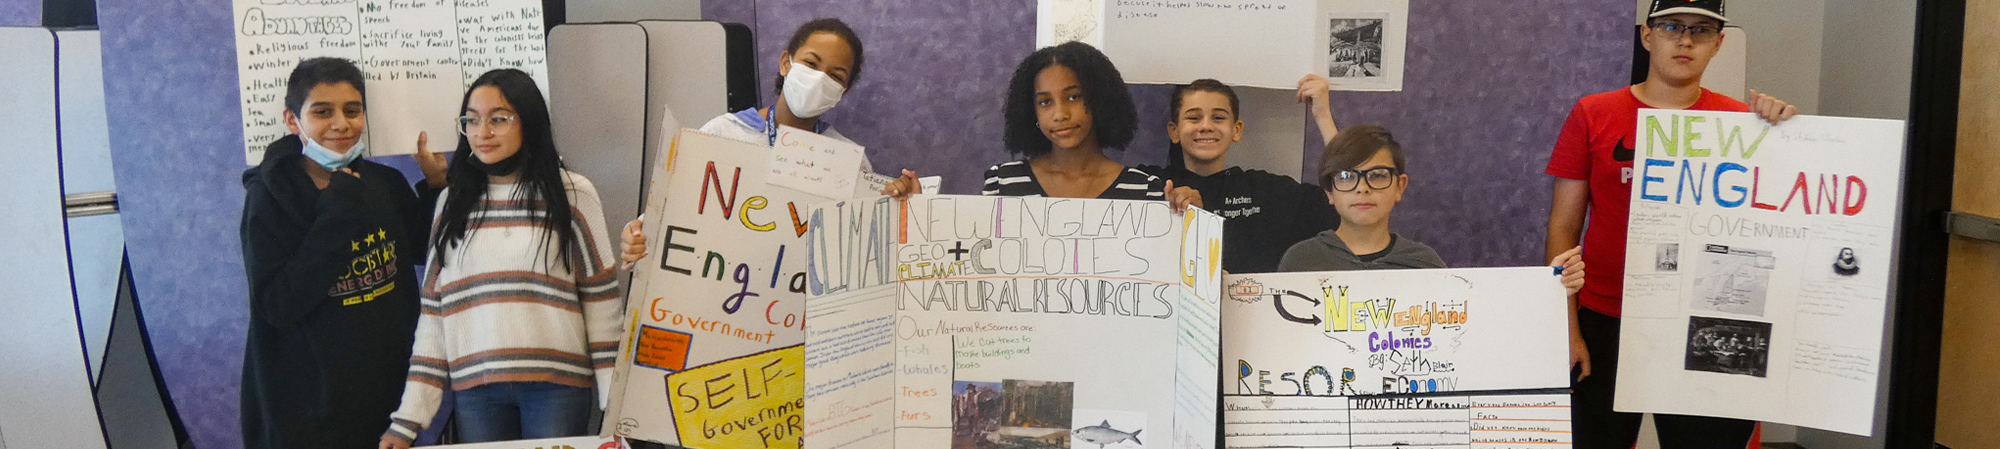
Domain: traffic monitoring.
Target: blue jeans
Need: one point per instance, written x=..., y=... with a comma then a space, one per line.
x=522, y=410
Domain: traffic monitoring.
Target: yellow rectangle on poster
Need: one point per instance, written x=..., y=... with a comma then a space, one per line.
x=754, y=401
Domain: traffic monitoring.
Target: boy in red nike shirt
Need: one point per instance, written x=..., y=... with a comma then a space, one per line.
x=1592, y=164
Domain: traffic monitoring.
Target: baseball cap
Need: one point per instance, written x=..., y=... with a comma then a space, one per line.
x=1708, y=8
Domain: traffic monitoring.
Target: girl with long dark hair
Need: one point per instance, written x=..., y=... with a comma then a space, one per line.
x=520, y=307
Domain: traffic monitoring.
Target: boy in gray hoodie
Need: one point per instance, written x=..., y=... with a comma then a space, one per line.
x=1362, y=172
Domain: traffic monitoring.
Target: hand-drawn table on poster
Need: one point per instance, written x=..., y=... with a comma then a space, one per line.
x=1396, y=358
x=983, y=322
x=417, y=57
x=1757, y=267
x=713, y=354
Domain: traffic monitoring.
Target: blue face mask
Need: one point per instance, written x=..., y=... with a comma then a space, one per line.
x=330, y=159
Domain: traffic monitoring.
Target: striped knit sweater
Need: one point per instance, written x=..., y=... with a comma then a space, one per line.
x=495, y=312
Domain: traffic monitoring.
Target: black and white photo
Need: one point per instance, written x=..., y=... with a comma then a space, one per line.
x=1354, y=47
x=1722, y=345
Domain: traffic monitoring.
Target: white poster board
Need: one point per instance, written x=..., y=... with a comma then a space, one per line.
x=1446, y=357
x=1757, y=267
x=713, y=355
x=417, y=55
x=1356, y=43
x=969, y=321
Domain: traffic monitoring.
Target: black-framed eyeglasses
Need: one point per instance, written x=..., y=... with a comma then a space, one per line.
x=1378, y=178
x=1673, y=31
x=468, y=125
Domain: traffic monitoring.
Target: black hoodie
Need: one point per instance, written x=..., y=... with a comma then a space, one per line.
x=333, y=300
x=1263, y=213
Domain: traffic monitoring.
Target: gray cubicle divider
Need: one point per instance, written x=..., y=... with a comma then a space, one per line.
x=597, y=79
x=97, y=241
x=687, y=74
x=44, y=376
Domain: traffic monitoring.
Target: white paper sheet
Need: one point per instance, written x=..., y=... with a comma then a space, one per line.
x=804, y=161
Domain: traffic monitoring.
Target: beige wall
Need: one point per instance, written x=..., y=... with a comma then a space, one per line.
x=1970, y=365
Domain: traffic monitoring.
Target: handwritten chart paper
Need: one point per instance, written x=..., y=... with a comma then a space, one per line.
x=721, y=292
x=417, y=56
x=1416, y=358
x=809, y=162
x=974, y=322
x=1757, y=267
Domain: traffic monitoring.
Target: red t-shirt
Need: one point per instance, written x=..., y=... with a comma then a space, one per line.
x=1596, y=146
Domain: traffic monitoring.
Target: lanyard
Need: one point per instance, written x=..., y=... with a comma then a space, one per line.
x=771, y=127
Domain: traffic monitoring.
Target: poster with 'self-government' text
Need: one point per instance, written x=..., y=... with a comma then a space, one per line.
x=1757, y=267
x=1006, y=322
x=713, y=355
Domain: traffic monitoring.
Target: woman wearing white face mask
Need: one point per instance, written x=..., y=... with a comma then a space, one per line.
x=818, y=66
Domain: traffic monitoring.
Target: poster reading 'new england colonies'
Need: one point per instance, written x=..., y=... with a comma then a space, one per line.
x=1757, y=267
x=992, y=322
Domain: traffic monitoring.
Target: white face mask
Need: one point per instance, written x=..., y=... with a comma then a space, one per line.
x=809, y=92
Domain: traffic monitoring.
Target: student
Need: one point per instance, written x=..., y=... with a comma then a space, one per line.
x=330, y=244
x=521, y=306
x=1364, y=173
x=1265, y=212
x=1065, y=104
x=819, y=65
x=1592, y=163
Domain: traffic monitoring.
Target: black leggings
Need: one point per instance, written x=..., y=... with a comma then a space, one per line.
x=1595, y=426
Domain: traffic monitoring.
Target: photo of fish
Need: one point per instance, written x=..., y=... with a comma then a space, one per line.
x=1103, y=434
x=1107, y=429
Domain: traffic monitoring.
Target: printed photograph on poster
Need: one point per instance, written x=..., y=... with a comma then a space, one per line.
x=975, y=415
x=1078, y=20
x=1037, y=413
x=1354, y=47
x=1846, y=265
x=1667, y=258
x=1721, y=345
x=1733, y=279
x=1105, y=429
x=1364, y=43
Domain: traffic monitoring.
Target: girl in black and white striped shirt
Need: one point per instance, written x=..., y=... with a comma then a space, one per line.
x=1065, y=105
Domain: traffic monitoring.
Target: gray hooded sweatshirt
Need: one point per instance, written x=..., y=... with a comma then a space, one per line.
x=1326, y=252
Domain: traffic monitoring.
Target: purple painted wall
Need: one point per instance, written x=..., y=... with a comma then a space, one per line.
x=21, y=13
x=930, y=94
x=1482, y=103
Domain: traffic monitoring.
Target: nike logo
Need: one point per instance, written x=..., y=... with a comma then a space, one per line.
x=1621, y=152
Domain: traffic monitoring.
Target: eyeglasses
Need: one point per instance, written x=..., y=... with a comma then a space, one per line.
x=1378, y=178
x=1700, y=34
x=501, y=124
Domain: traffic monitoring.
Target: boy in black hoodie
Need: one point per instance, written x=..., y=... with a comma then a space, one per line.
x=1264, y=212
x=330, y=244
